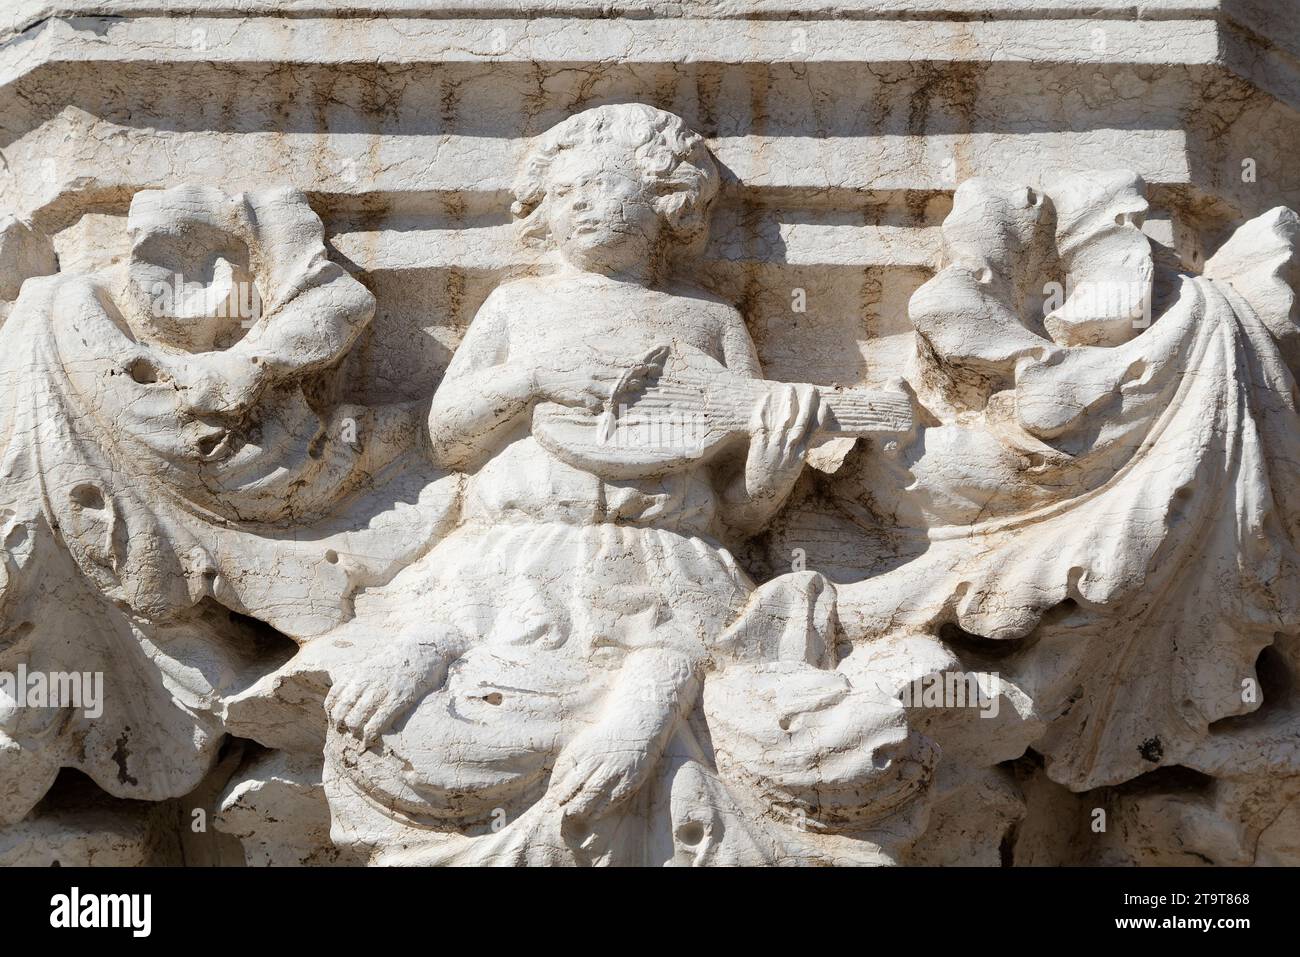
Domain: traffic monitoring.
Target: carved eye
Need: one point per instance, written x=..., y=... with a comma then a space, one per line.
x=209, y=443
x=143, y=371
x=88, y=497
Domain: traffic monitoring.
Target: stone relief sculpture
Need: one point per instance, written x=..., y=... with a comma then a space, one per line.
x=1105, y=503
x=156, y=488
x=510, y=625
x=583, y=653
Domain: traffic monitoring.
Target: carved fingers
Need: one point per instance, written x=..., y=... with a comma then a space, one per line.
x=597, y=772
x=594, y=380
x=362, y=708
x=783, y=423
x=369, y=700
x=639, y=375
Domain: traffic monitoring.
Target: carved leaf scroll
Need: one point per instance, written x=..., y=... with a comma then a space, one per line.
x=1116, y=525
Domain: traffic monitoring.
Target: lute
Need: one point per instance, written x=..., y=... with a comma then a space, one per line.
x=695, y=407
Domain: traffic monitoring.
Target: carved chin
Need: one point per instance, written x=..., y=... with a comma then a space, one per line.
x=602, y=242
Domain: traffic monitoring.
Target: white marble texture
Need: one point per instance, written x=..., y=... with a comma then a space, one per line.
x=690, y=434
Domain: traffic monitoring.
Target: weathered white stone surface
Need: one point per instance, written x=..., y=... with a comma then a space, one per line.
x=679, y=433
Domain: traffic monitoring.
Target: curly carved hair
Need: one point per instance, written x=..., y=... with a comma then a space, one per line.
x=671, y=157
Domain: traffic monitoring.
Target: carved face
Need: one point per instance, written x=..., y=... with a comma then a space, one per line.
x=601, y=213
